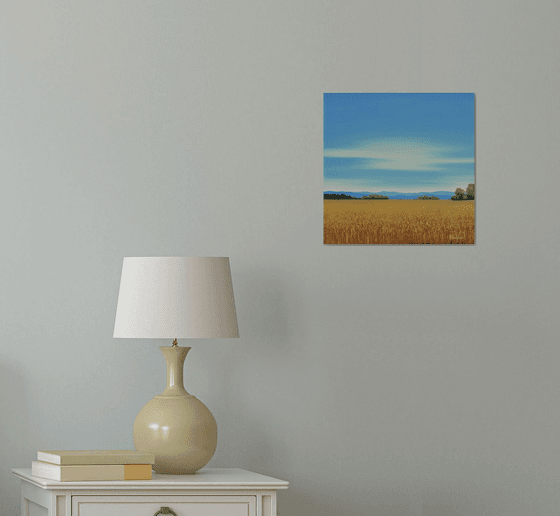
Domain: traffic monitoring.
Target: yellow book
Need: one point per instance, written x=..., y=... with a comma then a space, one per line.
x=82, y=472
x=71, y=457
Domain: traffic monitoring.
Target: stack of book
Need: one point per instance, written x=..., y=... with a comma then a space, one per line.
x=80, y=465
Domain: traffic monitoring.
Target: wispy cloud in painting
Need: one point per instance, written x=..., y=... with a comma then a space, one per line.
x=412, y=154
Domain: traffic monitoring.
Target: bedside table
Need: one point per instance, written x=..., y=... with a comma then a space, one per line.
x=210, y=492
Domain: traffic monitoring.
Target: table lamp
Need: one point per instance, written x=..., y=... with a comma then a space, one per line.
x=176, y=298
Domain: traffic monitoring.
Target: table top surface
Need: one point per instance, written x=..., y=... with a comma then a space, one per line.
x=206, y=478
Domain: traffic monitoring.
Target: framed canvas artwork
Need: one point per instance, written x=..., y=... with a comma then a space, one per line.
x=398, y=168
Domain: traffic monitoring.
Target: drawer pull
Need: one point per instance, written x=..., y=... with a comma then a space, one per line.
x=165, y=510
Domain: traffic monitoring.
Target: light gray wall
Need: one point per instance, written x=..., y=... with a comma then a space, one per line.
x=403, y=381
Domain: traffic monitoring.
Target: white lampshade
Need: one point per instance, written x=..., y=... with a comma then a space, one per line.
x=175, y=297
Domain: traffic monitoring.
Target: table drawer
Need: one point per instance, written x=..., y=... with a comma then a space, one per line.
x=149, y=505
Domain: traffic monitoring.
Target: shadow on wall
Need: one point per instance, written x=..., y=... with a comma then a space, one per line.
x=247, y=437
x=261, y=296
x=14, y=432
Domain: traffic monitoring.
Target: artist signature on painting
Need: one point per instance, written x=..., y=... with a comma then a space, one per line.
x=456, y=237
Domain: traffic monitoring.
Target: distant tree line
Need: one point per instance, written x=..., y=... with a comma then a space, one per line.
x=344, y=196
x=337, y=196
x=375, y=196
x=461, y=195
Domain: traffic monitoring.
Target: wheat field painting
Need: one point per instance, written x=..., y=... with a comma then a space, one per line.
x=398, y=168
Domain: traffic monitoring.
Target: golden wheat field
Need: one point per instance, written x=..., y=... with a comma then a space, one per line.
x=398, y=222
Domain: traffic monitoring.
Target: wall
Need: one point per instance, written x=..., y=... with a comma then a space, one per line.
x=390, y=380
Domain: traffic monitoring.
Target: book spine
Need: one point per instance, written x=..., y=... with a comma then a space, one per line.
x=137, y=471
x=91, y=472
x=68, y=459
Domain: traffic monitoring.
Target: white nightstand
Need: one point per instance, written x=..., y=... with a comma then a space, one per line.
x=210, y=492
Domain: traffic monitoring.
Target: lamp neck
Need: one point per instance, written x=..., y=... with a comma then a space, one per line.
x=175, y=358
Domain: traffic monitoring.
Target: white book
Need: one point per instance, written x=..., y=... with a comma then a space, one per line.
x=68, y=457
x=81, y=472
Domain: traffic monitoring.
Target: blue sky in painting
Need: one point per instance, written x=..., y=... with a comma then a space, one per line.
x=405, y=142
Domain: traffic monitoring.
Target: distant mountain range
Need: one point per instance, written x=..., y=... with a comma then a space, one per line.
x=397, y=195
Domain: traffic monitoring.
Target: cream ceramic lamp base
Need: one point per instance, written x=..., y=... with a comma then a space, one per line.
x=175, y=426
